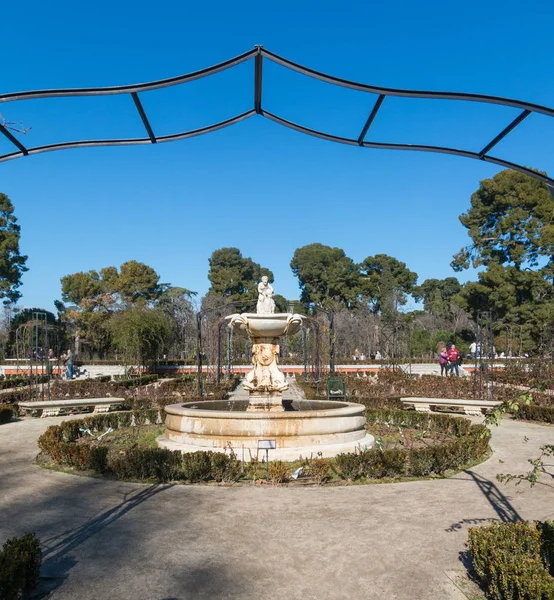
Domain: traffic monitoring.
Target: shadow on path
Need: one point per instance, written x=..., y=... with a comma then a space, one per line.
x=57, y=550
x=500, y=502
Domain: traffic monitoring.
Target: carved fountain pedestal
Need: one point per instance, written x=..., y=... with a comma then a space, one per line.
x=265, y=382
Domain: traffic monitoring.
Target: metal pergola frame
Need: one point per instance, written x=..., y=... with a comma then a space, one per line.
x=258, y=54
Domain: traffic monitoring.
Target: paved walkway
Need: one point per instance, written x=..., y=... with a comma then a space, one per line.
x=105, y=539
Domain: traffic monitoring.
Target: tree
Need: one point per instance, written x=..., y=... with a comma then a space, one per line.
x=516, y=297
x=326, y=276
x=235, y=277
x=136, y=282
x=437, y=295
x=510, y=223
x=12, y=263
x=139, y=333
x=92, y=297
x=176, y=302
x=386, y=281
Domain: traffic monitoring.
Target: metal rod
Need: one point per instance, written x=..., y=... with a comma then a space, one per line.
x=229, y=349
x=304, y=352
x=129, y=141
x=373, y=89
x=414, y=147
x=370, y=119
x=505, y=132
x=218, y=377
x=13, y=139
x=127, y=89
x=258, y=65
x=332, y=343
x=199, y=353
x=143, y=116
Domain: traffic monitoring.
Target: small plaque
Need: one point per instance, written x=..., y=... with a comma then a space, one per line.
x=267, y=444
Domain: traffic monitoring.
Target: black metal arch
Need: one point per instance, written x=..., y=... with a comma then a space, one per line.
x=258, y=54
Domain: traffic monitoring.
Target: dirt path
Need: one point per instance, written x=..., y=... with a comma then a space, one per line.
x=105, y=539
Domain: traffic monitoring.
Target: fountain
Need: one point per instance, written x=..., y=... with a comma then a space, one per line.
x=299, y=428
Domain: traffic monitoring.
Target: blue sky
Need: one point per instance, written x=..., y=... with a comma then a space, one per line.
x=262, y=188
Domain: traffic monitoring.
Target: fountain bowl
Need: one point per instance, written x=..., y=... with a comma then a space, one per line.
x=266, y=326
x=305, y=428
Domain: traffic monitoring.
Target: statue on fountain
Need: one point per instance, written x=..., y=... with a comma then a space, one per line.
x=264, y=328
x=266, y=304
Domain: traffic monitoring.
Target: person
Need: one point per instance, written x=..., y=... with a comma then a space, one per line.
x=378, y=356
x=69, y=364
x=473, y=350
x=454, y=360
x=443, y=362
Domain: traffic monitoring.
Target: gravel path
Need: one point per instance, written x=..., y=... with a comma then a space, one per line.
x=105, y=539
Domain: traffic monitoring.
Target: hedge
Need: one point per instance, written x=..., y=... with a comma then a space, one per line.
x=6, y=414
x=470, y=444
x=59, y=442
x=533, y=412
x=20, y=561
x=514, y=560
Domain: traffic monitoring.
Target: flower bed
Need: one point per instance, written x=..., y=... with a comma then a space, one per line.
x=435, y=445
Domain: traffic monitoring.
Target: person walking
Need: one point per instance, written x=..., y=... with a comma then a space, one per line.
x=443, y=362
x=454, y=360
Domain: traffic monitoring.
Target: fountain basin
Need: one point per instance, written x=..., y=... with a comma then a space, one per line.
x=304, y=428
x=266, y=326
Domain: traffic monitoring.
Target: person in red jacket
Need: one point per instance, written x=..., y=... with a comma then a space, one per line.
x=454, y=360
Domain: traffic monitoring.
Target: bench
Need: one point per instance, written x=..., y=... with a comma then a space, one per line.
x=53, y=408
x=469, y=407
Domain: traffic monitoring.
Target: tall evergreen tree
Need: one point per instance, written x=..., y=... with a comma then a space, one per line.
x=12, y=262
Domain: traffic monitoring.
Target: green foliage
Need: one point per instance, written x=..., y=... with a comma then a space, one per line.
x=387, y=281
x=158, y=464
x=139, y=333
x=98, y=459
x=225, y=467
x=142, y=380
x=326, y=276
x=349, y=465
x=12, y=263
x=509, y=222
x=6, y=414
x=93, y=297
x=235, y=277
x=532, y=412
x=470, y=444
x=437, y=295
x=20, y=561
x=376, y=464
x=197, y=466
x=509, y=559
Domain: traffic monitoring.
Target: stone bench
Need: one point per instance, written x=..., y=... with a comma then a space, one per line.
x=53, y=408
x=469, y=407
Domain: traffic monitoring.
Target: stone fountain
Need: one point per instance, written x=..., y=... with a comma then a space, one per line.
x=299, y=428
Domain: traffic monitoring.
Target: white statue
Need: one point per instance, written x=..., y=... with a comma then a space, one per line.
x=266, y=304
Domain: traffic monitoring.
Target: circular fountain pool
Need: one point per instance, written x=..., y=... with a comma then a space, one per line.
x=304, y=428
